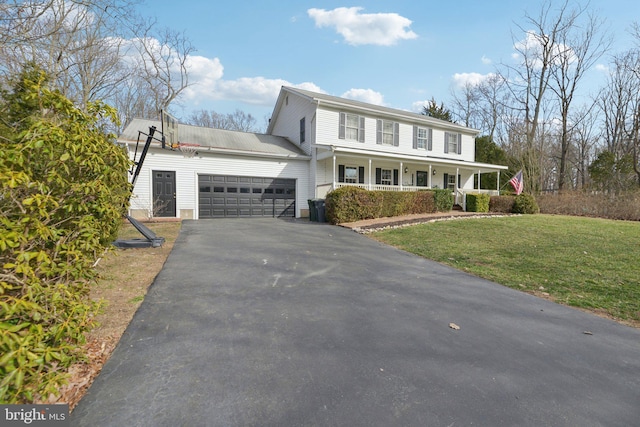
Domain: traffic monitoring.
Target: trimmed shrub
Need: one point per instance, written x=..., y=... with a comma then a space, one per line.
x=525, y=204
x=503, y=204
x=478, y=202
x=623, y=206
x=443, y=200
x=348, y=204
x=64, y=191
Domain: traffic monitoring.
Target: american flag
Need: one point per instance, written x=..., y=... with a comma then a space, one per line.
x=517, y=183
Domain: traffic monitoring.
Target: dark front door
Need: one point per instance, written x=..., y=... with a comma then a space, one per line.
x=422, y=178
x=164, y=193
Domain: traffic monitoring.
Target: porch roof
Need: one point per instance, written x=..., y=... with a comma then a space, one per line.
x=354, y=152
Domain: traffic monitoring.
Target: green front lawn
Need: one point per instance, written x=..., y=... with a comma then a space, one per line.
x=583, y=262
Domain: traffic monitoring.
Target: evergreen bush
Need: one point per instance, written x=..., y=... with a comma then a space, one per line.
x=64, y=191
x=477, y=202
x=525, y=204
x=443, y=200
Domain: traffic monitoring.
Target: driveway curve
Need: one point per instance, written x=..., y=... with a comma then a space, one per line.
x=267, y=322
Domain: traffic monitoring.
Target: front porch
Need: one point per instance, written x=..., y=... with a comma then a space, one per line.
x=403, y=173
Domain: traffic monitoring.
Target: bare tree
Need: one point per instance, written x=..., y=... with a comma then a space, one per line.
x=579, y=46
x=528, y=82
x=76, y=42
x=164, y=57
x=97, y=49
x=585, y=135
x=238, y=120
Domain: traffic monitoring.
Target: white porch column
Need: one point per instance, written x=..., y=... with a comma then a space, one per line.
x=333, y=184
x=370, y=185
x=479, y=186
x=457, y=174
x=429, y=178
x=401, y=175
x=498, y=183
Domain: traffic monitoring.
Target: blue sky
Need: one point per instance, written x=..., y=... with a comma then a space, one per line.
x=394, y=53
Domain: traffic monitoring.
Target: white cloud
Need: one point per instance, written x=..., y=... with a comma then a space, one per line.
x=365, y=95
x=530, y=50
x=384, y=29
x=603, y=68
x=208, y=85
x=485, y=60
x=461, y=80
x=418, y=106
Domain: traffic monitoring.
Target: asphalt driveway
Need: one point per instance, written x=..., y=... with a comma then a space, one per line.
x=290, y=323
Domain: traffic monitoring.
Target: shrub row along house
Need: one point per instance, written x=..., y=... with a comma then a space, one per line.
x=314, y=143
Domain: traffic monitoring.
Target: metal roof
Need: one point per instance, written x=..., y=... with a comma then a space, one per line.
x=218, y=139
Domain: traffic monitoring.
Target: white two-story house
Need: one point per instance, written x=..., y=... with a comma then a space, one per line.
x=314, y=143
x=377, y=148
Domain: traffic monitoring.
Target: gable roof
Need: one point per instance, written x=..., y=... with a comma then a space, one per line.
x=372, y=109
x=219, y=139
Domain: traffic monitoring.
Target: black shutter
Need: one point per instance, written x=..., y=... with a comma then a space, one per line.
x=378, y=176
x=378, y=131
x=360, y=174
x=415, y=137
x=446, y=142
x=459, y=181
x=430, y=142
x=395, y=177
x=396, y=134
x=340, y=173
x=446, y=181
x=341, y=128
x=361, y=132
x=459, y=143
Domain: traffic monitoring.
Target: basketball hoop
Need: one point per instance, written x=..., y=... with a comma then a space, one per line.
x=188, y=150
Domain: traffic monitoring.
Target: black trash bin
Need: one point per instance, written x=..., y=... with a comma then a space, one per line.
x=313, y=212
x=321, y=210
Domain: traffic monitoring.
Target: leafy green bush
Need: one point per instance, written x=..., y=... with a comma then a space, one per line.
x=525, y=204
x=348, y=204
x=477, y=202
x=502, y=204
x=443, y=200
x=64, y=191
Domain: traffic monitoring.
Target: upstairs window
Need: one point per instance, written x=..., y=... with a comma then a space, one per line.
x=387, y=132
x=302, y=130
x=452, y=143
x=422, y=138
x=351, y=127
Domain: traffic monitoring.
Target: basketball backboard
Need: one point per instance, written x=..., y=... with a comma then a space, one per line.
x=169, y=129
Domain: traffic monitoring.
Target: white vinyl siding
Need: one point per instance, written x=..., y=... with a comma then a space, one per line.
x=187, y=171
x=327, y=134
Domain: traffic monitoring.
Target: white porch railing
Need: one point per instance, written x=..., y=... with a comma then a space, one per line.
x=378, y=187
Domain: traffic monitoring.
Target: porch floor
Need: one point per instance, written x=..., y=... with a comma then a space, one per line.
x=368, y=225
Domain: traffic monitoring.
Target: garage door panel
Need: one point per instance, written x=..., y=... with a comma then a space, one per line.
x=238, y=196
